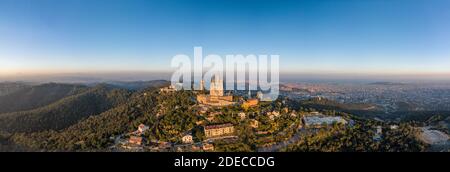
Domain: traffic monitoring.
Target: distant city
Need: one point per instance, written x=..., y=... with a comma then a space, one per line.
x=384, y=96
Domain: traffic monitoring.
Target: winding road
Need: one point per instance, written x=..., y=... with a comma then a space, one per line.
x=300, y=132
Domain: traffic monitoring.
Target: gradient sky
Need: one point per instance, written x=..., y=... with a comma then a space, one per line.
x=338, y=36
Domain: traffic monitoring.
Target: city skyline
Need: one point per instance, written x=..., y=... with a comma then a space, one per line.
x=342, y=38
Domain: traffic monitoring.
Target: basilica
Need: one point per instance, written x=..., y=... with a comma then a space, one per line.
x=216, y=95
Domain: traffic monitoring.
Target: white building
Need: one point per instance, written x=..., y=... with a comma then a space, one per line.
x=276, y=113
x=293, y=114
x=187, y=139
x=260, y=95
x=273, y=114
x=393, y=127
x=242, y=115
x=379, y=130
x=378, y=133
x=142, y=128
x=254, y=123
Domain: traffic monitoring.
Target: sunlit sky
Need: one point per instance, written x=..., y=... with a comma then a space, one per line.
x=319, y=36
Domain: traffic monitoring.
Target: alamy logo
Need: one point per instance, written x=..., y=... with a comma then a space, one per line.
x=236, y=72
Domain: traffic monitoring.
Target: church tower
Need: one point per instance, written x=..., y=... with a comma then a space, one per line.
x=202, y=85
x=216, y=88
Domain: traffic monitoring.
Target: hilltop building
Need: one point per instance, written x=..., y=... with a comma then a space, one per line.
x=135, y=140
x=293, y=114
x=242, y=115
x=250, y=103
x=168, y=89
x=259, y=95
x=378, y=133
x=254, y=123
x=142, y=128
x=393, y=127
x=216, y=95
x=212, y=131
x=272, y=115
x=202, y=85
x=208, y=147
x=187, y=139
x=216, y=88
x=262, y=98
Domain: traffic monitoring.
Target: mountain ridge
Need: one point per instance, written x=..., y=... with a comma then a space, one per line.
x=62, y=113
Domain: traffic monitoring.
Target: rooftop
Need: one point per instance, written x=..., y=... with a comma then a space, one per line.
x=218, y=126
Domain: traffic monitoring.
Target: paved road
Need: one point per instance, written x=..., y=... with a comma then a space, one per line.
x=301, y=132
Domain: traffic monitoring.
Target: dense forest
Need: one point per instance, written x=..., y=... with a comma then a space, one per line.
x=31, y=97
x=359, y=138
x=64, y=112
x=11, y=87
x=139, y=85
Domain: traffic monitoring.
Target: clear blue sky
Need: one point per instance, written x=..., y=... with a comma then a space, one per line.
x=367, y=36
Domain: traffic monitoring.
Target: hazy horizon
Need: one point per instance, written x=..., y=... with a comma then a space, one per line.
x=129, y=76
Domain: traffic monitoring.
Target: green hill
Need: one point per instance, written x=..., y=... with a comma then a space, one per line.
x=92, y=133
x=11, y=87
x=64, y=112
x=22, y=97
x=139, y=85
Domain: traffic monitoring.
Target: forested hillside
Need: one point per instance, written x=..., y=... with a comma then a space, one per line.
x=139, y=85
x=64, y=112
x=11, y=87
x=92, y=134
x=31, y=97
